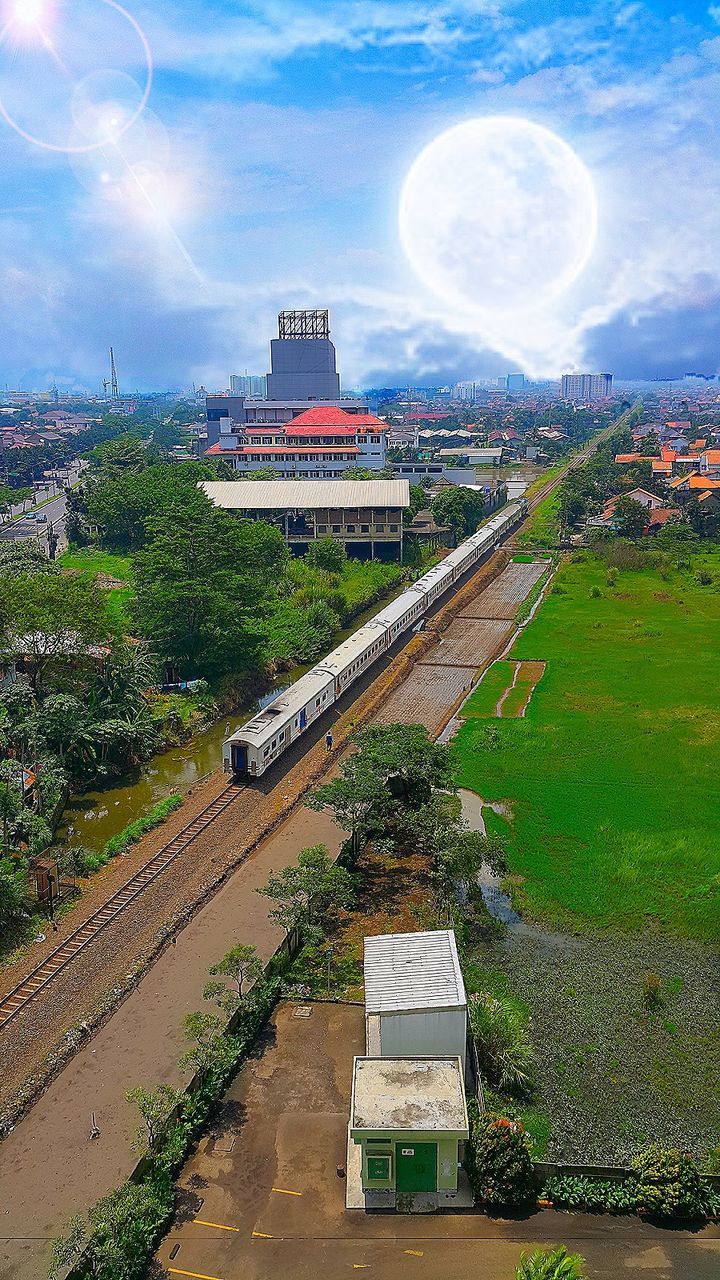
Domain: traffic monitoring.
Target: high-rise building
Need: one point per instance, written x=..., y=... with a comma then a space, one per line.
x=516, y=382
x=586, y=386
x=248, y=384
x=302, y=358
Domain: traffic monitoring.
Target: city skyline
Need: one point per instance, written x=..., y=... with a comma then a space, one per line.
x=269, y=161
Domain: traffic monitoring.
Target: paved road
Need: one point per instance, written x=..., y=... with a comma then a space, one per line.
x=20, y=530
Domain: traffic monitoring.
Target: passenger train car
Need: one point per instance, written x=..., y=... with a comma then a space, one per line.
x=250, y=750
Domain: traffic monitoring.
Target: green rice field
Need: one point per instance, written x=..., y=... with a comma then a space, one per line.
x=611, y=776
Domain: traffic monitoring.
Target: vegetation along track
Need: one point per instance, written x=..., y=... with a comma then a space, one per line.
x=37, y=980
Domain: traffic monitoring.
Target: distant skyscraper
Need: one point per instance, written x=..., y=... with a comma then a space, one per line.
x=248, y=384
x=302, y=358
x=586, y=386
x=516, y=381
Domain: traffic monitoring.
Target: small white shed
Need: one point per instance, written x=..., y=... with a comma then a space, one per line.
x=415, y=1003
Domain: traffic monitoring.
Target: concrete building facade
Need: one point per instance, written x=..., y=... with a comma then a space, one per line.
x=586, y=386
x=321, y=443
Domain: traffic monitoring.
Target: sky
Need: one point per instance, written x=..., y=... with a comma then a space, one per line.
x=255, y=161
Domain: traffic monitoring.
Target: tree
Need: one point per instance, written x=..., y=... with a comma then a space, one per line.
x=394, y=767
x=326, y=554
x=307, y=893
x=460, y=508
x=359, y=473
x=208, y=1045
x=630, y=517
x=13, y=888
x=199, y=583
x=243, y=966
x=499, y=1162
x=461, y=858
x=264, y=473
x=52, y=618
x=155, y=1107
x=551, y=1264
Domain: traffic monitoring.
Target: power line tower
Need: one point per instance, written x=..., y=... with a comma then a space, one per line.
x=114, y=393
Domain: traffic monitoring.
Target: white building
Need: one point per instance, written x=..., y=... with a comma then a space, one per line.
x=415, y=1002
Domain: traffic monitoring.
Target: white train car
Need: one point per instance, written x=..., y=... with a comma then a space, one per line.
x=252, y=749
x=256, y=745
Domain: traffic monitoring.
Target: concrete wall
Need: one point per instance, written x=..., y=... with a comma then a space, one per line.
x=302, y=369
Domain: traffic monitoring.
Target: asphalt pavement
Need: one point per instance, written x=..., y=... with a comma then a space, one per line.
x=42, y=516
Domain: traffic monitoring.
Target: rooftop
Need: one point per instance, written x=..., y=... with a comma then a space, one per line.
x=329, y=415
x=307, y=495
x=408, y=1094
x=406, y=971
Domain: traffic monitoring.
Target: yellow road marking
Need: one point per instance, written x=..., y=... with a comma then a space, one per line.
x=283, y=1192
x=200, y=1222
x=174, y=1271
x=260, y=1235
x=415, y=1253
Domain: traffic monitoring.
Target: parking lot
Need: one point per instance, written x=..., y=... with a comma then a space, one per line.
x=262, y=1198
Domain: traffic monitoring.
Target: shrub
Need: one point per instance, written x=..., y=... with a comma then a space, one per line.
x=134, y=831
x=499, y=1162
x=703, y=577
x=668, y=1184
x=652, y=985
x=504, y=1051
x=612, y=577
x=550, y=1264
x=595, y=593
x=591, y=1195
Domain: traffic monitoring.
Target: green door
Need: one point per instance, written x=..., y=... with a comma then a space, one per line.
x=416, y=1166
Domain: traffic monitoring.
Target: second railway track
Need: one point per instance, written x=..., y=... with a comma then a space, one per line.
x=37, y=980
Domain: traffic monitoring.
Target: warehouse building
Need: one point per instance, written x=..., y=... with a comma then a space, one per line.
x=366, y=516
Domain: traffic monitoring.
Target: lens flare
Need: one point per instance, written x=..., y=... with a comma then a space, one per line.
x=34, y=17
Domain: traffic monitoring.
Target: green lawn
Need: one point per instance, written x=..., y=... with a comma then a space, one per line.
x=542, y=527
x=612, y=774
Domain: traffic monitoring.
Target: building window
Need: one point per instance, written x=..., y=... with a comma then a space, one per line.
x=336, y=528
x=350, y=528
x=393, y=528
x=364, y=528
x=322, y=528
x=380, y=528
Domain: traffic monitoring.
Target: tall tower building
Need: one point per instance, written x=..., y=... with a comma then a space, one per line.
x=302, y=358
x=586, y=386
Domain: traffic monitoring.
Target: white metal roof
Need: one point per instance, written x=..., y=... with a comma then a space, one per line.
x=287, y=704
x=417, y=971
x=279, y=495
x=352, y=648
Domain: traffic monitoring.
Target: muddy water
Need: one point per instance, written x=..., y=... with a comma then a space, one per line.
x=92, y=818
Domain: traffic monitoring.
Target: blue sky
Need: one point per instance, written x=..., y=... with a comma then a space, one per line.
x=266, y=167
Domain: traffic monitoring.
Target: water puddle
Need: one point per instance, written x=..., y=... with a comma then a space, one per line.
x=496, y=899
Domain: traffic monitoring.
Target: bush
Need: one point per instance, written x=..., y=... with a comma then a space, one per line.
x=591, y=1195
x=668, y=1184
x=550, y=1264
x=499, y=1162
x=652, y=986
x=134, y=831
x=595, y=593
x=612, y=577
x=504, y=1051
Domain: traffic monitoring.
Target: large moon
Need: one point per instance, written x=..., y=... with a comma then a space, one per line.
x=498, y=215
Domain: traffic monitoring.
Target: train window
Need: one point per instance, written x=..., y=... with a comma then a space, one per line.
x=317, y=702
x=281, y=737
x=273, y=744
x=266, y=752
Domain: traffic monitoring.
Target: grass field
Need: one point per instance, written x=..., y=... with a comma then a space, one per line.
x=91, y=560
x=612, y=774
x=542, y=527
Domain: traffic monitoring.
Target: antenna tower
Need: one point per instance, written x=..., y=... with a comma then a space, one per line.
x=114, y=393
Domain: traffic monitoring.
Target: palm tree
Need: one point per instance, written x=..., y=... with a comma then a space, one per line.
x=551, y=1264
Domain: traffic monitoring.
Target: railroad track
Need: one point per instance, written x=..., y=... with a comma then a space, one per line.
x=38, y=979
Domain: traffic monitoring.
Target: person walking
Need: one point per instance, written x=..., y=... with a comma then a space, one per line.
x=329, y=741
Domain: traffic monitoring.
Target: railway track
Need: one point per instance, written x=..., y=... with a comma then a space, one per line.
x=38, y=979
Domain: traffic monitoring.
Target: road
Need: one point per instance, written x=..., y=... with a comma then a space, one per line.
x=26, y=526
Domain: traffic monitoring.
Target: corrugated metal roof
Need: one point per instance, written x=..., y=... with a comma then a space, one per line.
x=419, y=971
x=279, y=495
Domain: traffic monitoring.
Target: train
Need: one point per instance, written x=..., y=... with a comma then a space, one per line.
x=253, y=748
